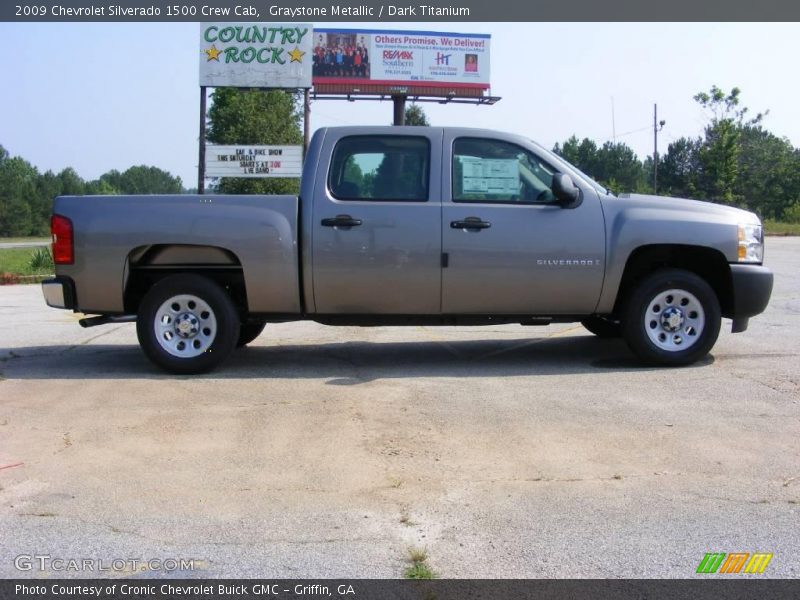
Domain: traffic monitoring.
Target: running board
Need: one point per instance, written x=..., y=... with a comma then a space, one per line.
x=106, y=319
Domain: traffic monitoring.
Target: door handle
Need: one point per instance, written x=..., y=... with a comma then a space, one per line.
x=470, y=223
x=341, y=221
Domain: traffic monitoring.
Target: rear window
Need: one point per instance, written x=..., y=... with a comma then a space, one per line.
x=380, y=168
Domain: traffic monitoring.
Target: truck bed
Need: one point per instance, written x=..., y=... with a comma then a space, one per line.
x=116, y=235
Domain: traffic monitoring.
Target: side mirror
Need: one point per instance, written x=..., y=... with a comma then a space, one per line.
x=564, y=189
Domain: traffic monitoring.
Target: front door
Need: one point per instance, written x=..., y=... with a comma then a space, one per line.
x=510, y=248
x=377, y=225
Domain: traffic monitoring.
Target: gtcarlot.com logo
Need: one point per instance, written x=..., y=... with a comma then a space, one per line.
x=735, y=562
x=46, y=562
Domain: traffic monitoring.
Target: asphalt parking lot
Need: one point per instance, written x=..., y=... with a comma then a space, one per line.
x=503, y=451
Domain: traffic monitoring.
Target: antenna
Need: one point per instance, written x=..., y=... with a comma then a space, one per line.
x=613, y=122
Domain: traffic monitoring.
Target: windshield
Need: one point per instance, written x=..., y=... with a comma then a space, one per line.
x=557, y=159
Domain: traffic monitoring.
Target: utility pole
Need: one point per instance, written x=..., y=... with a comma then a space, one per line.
x=657, y=126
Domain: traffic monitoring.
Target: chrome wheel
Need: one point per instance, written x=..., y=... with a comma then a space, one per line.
x=185, y=326
x=674, y=320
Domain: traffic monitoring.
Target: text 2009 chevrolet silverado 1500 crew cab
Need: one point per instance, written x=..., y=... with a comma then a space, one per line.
x=411, y=225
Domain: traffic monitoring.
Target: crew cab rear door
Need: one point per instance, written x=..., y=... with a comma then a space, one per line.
x=376, y=246
x=510, y=247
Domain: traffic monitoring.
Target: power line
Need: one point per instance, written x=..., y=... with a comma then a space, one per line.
x=646, y=128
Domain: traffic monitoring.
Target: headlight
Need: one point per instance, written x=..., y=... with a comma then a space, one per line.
x=751, y=244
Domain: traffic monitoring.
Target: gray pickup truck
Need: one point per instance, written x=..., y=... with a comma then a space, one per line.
x=411, y=225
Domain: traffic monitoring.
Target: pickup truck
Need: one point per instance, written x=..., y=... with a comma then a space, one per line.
x=411, y=225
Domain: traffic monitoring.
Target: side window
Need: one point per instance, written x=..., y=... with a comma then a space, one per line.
x=487, y=170
x=380, y=168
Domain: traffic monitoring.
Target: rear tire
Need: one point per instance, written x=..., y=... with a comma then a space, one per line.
x=249, y=331
x=187, y=324
x=603, y=327
x=672, y=318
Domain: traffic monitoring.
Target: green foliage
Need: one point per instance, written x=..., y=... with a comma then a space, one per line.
x=792, y=214
x=725, y=107
x=718, y=155
x=19, y=261
x=416, y=116
x=736, y=161
x=101, y=187
x=772, y=227
x=41, y=260
x=614, y=165
x=768, y=179
x=419, y=571
x=70, y=183
x=582, y=154
x=17, y=187
x=679, y=168
x=26, y=196
x=419, y=568
x=255, y=117
x=139, y=180
x=719, y=161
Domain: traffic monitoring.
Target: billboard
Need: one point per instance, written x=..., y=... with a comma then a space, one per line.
x=405, y=62
x=254, y=161
x=259, y=55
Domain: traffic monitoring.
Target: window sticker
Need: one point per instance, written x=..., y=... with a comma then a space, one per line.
x=490, y=175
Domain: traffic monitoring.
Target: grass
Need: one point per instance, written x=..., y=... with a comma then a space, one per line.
x=18, y=262
x=419, y=568
x=781, y=228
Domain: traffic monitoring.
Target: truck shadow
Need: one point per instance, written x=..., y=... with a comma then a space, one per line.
x=347, y=363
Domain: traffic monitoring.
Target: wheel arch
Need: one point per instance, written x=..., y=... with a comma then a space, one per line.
x=148, y=264
x=705, y=262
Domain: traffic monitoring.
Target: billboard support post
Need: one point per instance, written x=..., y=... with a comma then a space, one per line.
x=306, y=120
x=201, y=165
x=399, y=110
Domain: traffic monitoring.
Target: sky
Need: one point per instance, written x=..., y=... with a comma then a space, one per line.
x=102, y=96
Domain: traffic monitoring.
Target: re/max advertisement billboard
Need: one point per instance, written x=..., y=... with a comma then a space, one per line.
x=365, y=57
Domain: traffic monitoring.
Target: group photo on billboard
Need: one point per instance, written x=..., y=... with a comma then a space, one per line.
x=401, y=58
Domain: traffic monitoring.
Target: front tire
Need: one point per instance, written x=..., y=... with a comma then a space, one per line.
x=672, y=318
x=187, y=324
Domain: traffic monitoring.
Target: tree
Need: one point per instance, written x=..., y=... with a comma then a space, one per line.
x=142, y=180
x=71, y=183
x=17, y=187
x=619, y=168
x=582, y=154
x=137, y=180
x=255, y=117
x=416, y=116
x=769, y=172
x=615, y=165
x=48, y=186
x=100, y=187
x=720, y=150
x=726, y=107
x=26, y=196
x=679, y=167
